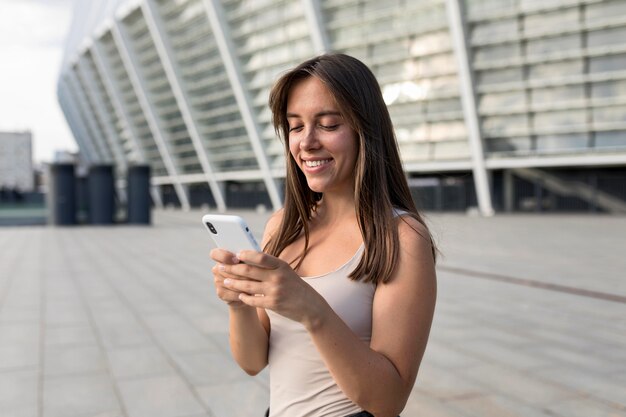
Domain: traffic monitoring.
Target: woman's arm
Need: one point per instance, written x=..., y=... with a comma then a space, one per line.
x=249, y=327
x=378, y=377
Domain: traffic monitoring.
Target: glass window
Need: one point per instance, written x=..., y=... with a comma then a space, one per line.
x=605, y=37
x=560, y=118
x=496, y=101
x=556, y=69
x=557, y=19
x=477, y=8
x=415, y=151
x=497, y=145
x=609, y=89
x=432, y=17
x=451, y=150
x=607, y=63
x=348, y=34
x=434, y=65
x=609, y=114
x=538, y=4
x=430, y=43
x=417, y=132
x=611, y=139
x=555, y=44
x=504, y=125
x=506, y=75
x=605, y=9
x=443, y=106
x=447, y=130
x=491, y=53
x=568, y=93
x=493, y=29
x=556, y=143
x=445, y=84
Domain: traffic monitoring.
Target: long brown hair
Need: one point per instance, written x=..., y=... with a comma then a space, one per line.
x=380, y=182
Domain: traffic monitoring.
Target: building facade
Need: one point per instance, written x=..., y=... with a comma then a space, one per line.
x=16, y=162
x=498, y=104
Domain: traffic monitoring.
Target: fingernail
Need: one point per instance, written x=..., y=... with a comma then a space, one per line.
x=227, y=281
x=220, y=267
x=235, y=260
x=240, y=296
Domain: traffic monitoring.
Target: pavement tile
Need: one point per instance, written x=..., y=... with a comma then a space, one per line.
x=19, y=393
x=138, y=362
x=80, y=396
x=518, y=384
x=245, y=398
x=117, y=336
x=69, y=335
x=64, y=360
x=208, y=368
x=585, y=383
x=495, y=405
x=495, y=348
x=587, y=407
x=163, y=396
x=14, y=356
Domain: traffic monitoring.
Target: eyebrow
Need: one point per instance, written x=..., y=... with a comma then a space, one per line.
x=320, y=114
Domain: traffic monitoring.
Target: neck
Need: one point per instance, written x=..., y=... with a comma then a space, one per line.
x=333, y=207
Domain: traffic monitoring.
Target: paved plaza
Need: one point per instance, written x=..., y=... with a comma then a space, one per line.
x=124, y=321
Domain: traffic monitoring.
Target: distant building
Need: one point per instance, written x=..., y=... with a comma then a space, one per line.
x=16, y=161
x=503, y=105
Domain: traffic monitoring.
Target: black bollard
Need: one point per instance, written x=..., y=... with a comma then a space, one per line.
x=138, y=188
x=101, y=194
x=62, y=195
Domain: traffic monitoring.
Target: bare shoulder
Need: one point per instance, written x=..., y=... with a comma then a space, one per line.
x=413, y=235
x=272, y=225
x=415, y=264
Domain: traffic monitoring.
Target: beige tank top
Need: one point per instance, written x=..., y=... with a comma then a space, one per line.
x=300, y=383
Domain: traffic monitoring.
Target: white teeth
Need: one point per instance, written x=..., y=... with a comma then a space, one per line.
x=313, y=164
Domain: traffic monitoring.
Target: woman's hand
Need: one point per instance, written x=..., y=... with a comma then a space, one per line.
x=265, y=281
x=224, y=257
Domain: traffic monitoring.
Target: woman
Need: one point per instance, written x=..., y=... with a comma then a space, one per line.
x=340, y=303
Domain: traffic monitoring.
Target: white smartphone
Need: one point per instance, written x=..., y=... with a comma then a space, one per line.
x=230, y=232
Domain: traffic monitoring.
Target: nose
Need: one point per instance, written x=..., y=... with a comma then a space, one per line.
x=309, y=139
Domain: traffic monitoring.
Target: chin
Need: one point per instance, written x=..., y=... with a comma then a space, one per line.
x=316, y=187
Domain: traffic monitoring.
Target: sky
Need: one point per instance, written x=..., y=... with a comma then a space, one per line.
x=32, y=36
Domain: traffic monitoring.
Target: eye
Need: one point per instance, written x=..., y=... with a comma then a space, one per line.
x=295, y=129
x=329, y=127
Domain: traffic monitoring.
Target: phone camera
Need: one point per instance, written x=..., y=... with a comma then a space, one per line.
x=211, y=228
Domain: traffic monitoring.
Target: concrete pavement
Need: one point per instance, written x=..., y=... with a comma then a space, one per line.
x=123, y=321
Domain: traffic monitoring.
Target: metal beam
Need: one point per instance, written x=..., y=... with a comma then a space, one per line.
x=102, y=115
x=313, y=14
x=85, y=151
x=226, y=47
x=172, y=71
x=589, y=160
x=130, y=62
x=458, y=32
x=105, y=71
x=77, y=105
x=88, y=112
x=96, y=100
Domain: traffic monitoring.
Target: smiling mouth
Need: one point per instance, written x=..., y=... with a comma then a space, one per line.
x=313, y=164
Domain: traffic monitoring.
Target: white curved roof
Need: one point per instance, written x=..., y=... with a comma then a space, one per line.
x=86, y=18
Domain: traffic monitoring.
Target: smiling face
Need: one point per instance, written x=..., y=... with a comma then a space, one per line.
x=321, y=142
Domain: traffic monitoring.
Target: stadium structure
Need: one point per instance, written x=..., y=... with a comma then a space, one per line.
x=499, y=105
